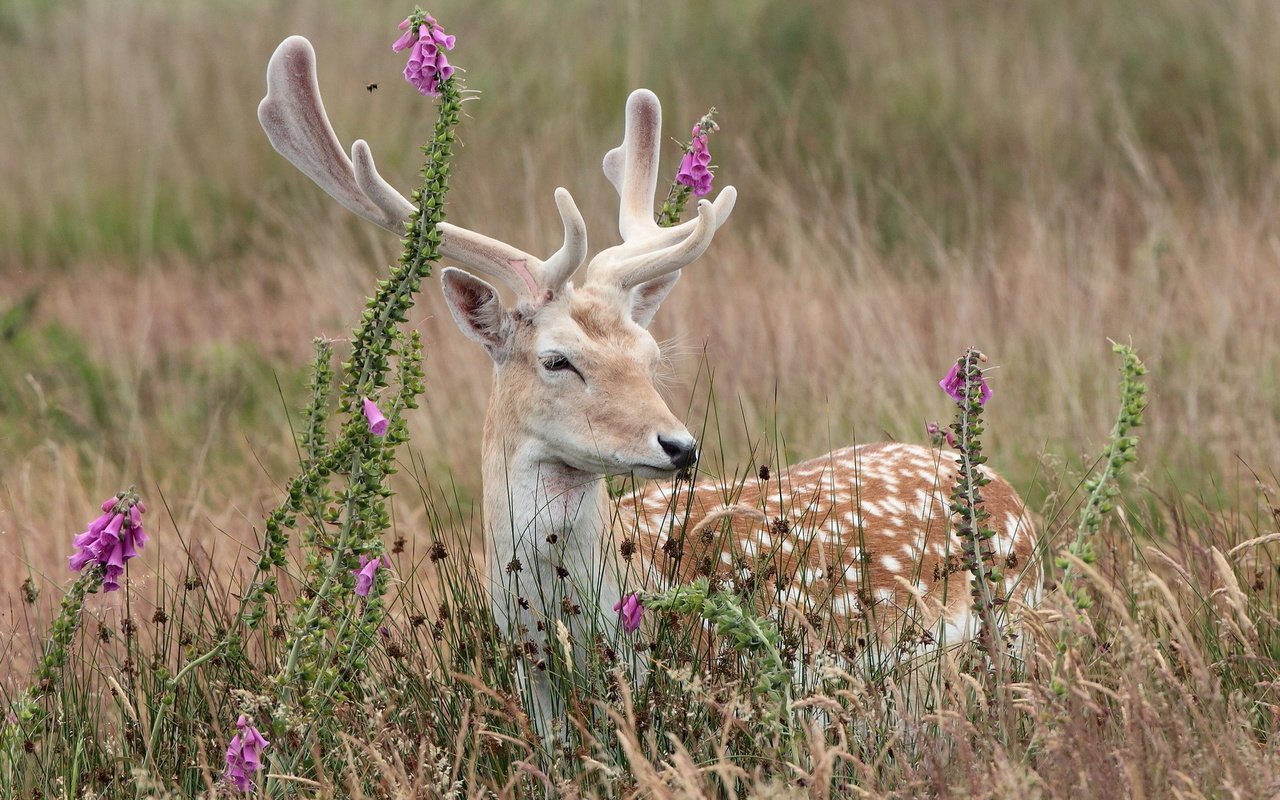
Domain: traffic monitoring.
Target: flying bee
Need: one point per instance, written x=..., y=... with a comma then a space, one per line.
x=371, y=87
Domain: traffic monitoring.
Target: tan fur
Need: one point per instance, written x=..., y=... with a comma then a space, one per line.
x=607, y=422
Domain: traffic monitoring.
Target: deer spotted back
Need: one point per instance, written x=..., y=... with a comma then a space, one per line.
x=861, y=537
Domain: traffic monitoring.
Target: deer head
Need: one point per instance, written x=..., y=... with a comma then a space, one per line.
x=574, y=366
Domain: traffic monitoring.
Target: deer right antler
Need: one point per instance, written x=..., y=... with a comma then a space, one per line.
x=293, y=116
x=648, y=251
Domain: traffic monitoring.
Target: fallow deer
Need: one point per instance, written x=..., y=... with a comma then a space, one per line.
x=861, y=533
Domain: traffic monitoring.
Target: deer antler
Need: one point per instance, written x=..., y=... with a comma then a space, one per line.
x=293, y=116
x=648, y=251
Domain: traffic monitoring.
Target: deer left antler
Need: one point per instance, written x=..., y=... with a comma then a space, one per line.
x=294, y=118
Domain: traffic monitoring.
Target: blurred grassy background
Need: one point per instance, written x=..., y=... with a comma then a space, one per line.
x=1027, y=177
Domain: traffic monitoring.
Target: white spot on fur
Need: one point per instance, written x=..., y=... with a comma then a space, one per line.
x=922, y=501
x=894, y=505
x=844, y=605
x=1011, y=525
x=809, y=576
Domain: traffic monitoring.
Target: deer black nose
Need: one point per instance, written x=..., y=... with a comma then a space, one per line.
x=682, y=451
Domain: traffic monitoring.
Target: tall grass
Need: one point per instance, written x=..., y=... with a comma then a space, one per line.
x=1037, y=177
x=1165, y=685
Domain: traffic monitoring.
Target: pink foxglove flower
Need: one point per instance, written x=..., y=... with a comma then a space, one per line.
x=407, y=38
x=629, y=610
x=695, y=169
x=111, y=540
x=428, y=67
x=377, y=422
x=366, y=573
x=938, y=435
x=953, y=385
x=244, y=755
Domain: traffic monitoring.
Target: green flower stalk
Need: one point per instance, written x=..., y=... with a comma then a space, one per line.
x=335, y=619
x=318, y=498
x=359, y=455
x=966, y=385
x=63, y=633
x=27, y=715
x=1102, y=487
x=375, y=342
x=314, y=438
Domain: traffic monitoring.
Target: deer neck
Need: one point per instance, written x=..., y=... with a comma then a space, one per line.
x=547, y=526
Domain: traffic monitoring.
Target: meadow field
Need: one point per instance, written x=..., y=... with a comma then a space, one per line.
x=1035, y=179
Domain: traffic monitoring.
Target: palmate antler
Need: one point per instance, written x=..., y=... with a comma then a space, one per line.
x=293, y=116
x=648, y=251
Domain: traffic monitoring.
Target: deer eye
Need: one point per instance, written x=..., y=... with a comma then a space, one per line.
x=558, y=363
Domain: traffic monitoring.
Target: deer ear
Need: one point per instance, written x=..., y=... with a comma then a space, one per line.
x=646, y=297
x=477, y=309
